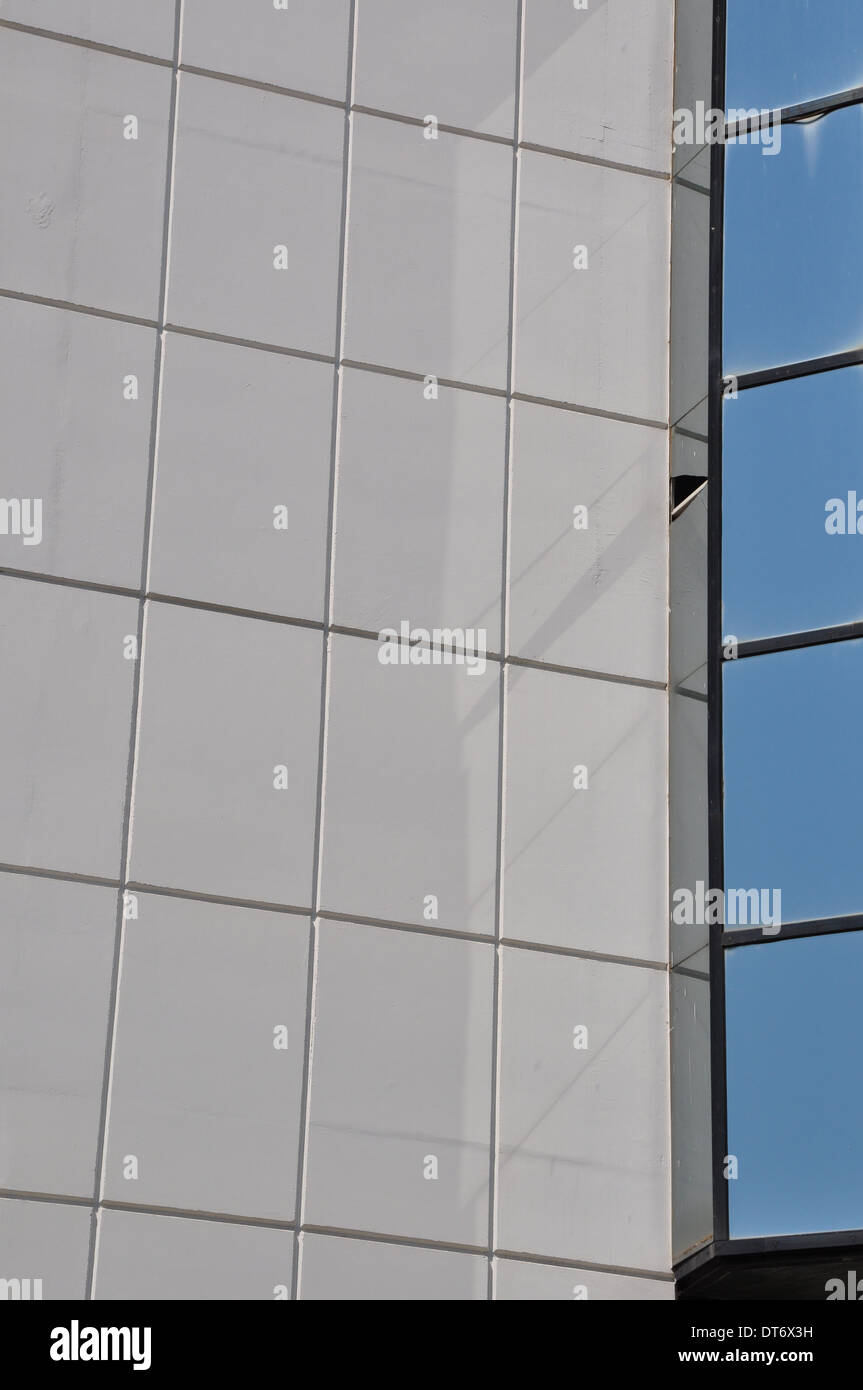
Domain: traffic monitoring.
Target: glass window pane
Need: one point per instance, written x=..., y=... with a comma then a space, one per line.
x=780, y=52
x=793, y=779
x=795, y=1120
x=792, y=244
x=792, y=467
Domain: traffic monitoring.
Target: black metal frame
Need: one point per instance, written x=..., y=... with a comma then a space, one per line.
x=791, y=931
x=796, y=641
x=789, y=115
x=716, y=847
x=722, y=1249
x=791, y=371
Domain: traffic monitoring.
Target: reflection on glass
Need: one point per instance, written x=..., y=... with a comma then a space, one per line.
x=792, y=482
x=780, y=52
x=795, y=1120
x=793, y=779
x=792, y=244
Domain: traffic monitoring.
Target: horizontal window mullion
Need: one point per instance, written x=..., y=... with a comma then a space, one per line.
x=799, y=111
x=790, y=371
x=789, y=931
x=796, y=641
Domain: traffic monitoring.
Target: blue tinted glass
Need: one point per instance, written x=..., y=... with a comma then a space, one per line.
x=795, y=1119
x=793, y=778
x=793, y=287
x=792, y=468
x=780, y=52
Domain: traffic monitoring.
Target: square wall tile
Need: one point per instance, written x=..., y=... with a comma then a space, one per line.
x=689, y=455
x=226, y=781
x=76, y=396
x=585, y=840
x=688, y=724
x=143, y=1257
x=584, y=1165
x=524, y=1281
x=303, y=45
x=242, y=480
x=399, y=1127
x=690, y=299
x=420, y=488
x=428, y=252
x=209, y=1103
x=691, y=1120
x=410, y=795
x=598, y=80
x=147, y=28
x=688, y=820
x=57, y=947
x=47, y=1241
x=83, y=212
x=695, y=167
x=370, y=1270
x=693, y=72
x=257, y=215
x=593, y=250
x=66, y=722
x=589, y=589
x=696, y=422
x=450, y=60
x=688, y=594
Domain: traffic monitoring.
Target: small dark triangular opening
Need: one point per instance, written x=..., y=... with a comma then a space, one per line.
x=683, y=489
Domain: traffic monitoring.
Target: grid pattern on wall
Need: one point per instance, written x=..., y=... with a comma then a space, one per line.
x=327, y=977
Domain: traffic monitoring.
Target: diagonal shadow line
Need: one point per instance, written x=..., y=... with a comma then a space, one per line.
x=513, y=1150
x=509, y=862
x=475, y=621
x=619, y=555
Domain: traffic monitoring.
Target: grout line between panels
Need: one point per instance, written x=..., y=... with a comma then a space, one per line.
x=211, y=335
x=404, y=374
x=113, y=996
x=92, y=45
x=185, y=1214
x=307, y=355
x=663, y=1277
x=531, y=664
x=311, y=981
x=346, y=916
x=596, y=160
x=315, y=625
x=334, y=1232
x=59, y=875
x=593, y=410
x=318, y=98
x=494, y=1094
x=550, y=949
x=257, y=84
x=217, y=899
x=388, y=924
x=382, y=115
x=71, y=306
x=386, y=1238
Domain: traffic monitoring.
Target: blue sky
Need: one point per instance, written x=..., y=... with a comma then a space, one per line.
x=792, y=244
x=788, y=450
x=795, y=1122
x=781, y=52
x=794, y=777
